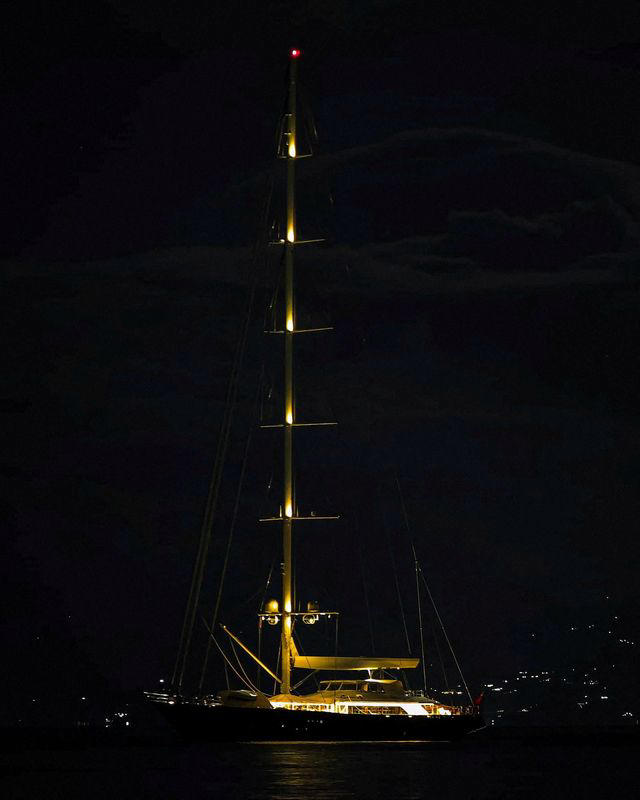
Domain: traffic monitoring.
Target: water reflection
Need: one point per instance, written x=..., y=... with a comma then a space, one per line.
x=335, y=771
x=513, y=768
x=462, y=771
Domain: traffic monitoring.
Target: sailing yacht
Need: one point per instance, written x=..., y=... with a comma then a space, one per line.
x=373, y=705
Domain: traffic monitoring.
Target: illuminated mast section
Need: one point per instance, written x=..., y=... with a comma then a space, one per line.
x=288, y=505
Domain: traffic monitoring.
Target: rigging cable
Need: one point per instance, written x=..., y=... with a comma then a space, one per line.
x=424, y=580
x=228, y=661
x=211, y=504
x=260, y=608
x=300, y=648
x=216, y=476
x=267, y=584
x=393, y=562
x=242, y=669
x=275, y=683
x=419, y=572
x=226, y=673
x=225, y=564
x=435, y=638
x=424, y=668
x=259, y=651
x=397, y=583
x=309, y=675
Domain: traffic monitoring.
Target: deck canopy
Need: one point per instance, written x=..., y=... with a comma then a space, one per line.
x=352, y=663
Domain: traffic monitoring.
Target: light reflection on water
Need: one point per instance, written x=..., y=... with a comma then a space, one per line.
x=299, y=771
x=466, y=770
x=411, y=771
x=327, y=770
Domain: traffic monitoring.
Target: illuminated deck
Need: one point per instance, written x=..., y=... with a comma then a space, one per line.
x=372, y=696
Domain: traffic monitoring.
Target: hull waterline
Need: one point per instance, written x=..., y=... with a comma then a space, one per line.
x=226, y=724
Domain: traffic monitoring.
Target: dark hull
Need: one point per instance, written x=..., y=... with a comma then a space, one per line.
x=225, y=724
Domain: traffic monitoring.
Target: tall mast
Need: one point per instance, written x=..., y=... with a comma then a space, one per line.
x=288, y=504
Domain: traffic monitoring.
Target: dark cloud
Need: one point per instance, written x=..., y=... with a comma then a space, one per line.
x=550, y=241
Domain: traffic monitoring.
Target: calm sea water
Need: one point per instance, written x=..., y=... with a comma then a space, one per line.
x=487, y=770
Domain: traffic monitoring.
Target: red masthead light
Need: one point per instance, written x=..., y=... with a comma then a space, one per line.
x=295, y=53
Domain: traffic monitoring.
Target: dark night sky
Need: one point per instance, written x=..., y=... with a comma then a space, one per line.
x=481, y=270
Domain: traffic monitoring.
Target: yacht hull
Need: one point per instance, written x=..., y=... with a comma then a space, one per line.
x=229, y=724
